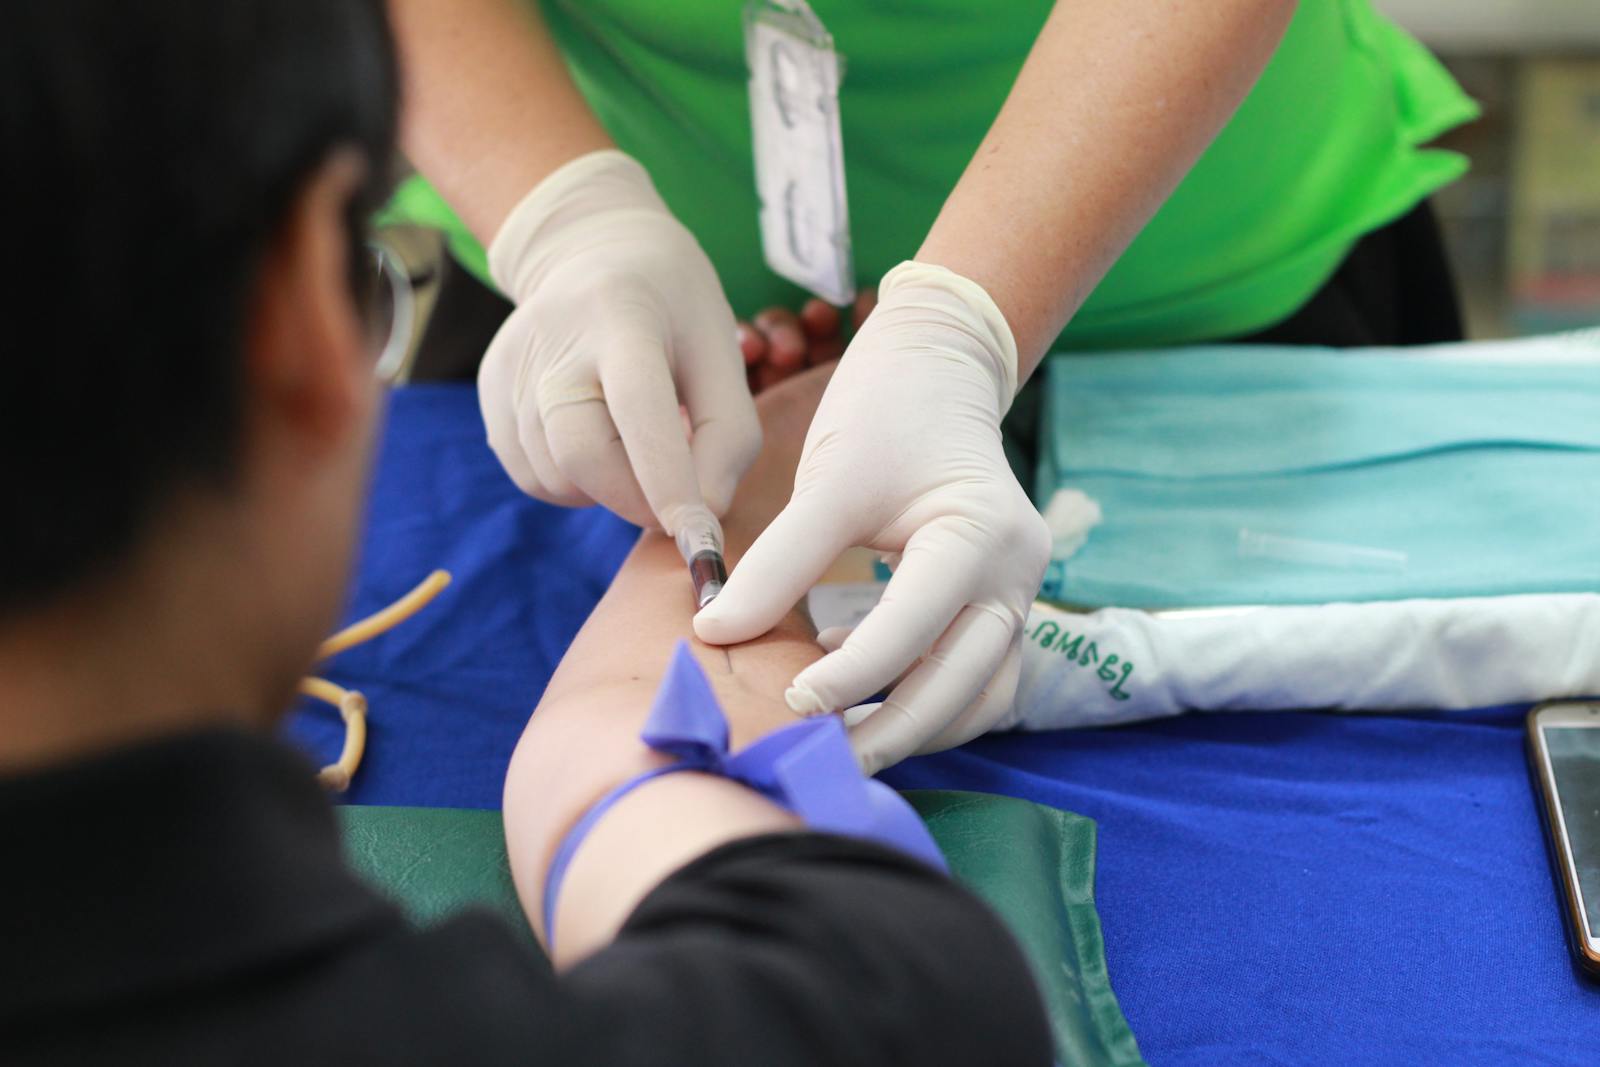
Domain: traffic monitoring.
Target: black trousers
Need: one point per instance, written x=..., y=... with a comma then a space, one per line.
x=1394, y=288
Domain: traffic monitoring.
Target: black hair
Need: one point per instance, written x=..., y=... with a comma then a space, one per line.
x=151, y=150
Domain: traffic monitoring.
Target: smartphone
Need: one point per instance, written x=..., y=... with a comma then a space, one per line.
x=1564, y=751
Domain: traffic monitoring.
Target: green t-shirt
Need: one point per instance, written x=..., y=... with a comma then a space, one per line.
x=1325, y=149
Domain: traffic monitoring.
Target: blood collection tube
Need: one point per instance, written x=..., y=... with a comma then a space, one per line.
x=700, y=544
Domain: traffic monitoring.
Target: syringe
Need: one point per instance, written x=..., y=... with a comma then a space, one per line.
x=700, y=544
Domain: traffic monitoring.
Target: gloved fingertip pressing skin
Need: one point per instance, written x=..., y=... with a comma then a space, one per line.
x=711, y=627
x=802, y=701
x=833, y=637
x=716, y=629
x=776, y=572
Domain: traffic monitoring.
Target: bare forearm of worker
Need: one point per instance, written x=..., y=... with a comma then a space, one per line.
x=1116, y=101
x=488, y=106
x=584, y=736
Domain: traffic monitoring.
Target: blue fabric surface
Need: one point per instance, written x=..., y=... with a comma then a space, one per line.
x=1275, y=889
x=451, y=689
x=1484, y=478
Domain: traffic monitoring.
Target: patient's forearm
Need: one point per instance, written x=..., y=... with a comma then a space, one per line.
x=753, y=954
x=583, y=739
x=630, y=636
x=650, y=604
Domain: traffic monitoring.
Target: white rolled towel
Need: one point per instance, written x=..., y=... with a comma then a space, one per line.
x=1117, y=665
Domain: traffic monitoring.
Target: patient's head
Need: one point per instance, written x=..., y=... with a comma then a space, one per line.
x=187, y=392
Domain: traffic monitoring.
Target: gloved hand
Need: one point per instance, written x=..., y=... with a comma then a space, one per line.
x=619, y=316
x=904, y=456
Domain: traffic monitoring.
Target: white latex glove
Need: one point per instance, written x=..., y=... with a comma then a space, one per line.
x=619, y=316
x=904, y=457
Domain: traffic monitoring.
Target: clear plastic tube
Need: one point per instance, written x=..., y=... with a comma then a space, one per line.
x=699, y=542
x=1330, y=554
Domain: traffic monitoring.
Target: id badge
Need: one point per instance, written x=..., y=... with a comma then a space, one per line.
x=799, y=154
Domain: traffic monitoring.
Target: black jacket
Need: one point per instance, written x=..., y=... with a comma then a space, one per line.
x=187, y=902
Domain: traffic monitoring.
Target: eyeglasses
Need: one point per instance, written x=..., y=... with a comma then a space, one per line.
x=391, y=311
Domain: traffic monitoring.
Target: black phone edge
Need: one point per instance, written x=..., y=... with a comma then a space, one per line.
x=1542, y=800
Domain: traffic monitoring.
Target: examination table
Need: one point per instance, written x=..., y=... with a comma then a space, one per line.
x=1291, y=888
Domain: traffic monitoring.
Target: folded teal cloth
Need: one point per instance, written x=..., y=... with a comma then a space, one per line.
x=1267, y=475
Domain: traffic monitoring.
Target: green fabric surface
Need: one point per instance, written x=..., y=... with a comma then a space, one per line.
x=1034, y=865
x=1325, y=149
x=433, y=861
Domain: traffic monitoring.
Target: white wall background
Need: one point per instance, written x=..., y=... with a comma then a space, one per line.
x=1464, y=27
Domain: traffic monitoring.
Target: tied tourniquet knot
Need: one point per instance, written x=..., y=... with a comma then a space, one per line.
x=806, y=768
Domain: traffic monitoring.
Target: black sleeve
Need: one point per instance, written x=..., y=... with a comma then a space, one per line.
x=795, y=950
x=806, y=949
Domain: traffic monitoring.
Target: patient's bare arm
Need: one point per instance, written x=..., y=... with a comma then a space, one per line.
x=755, y=954
x=583, y=737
